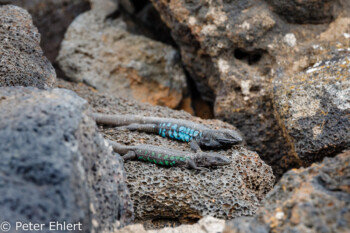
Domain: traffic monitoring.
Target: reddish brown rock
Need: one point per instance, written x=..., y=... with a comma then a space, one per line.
x=234, y=49
x=314, y=199
x=100, y=51
x=313, y=108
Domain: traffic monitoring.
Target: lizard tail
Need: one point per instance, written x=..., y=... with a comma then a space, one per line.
x=119, y=148
x=117, y=120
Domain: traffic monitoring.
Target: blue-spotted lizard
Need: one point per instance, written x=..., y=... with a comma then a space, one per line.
x=198, y=135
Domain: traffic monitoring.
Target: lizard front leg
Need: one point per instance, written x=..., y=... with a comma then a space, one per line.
x=194, y=146
x=192, y=164
x=129, y=156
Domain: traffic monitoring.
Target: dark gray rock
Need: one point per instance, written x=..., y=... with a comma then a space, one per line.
x=55, y=166
x=304, y=11
x=21, y=59
x=314, y=199
x=51, y=17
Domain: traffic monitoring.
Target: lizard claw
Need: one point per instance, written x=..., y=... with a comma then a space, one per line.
x=194, y=146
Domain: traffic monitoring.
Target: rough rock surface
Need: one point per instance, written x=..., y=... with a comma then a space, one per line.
x=306, y=11
x=207, y=224
x=184, y=194
x=21, y=59
x=178, y=194
x=313, y=199
x=98, y=50
x=233, y=50
x=52, y=17
x=55, y=165
x=313, y=108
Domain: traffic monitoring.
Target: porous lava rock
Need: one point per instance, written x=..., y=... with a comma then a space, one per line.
x=234, y=49
x=313, y=199
x=176, y=194
x=21, y=59
x=55, y=166
x=313, y=108
x=98, y=49
x=184, y=194
x=52, y=18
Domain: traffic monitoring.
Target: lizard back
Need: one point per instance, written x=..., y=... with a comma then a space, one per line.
x=160, y=156
x=122, y=120
x=178, y=129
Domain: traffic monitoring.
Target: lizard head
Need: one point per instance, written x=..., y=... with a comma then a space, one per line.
x=211, y=159
x=220, y=138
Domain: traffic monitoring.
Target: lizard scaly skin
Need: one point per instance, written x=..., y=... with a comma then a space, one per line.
x=198, y=135
x=169, y=157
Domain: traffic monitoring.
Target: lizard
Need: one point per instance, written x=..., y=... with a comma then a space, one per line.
x=199, y=136
x=169, y=157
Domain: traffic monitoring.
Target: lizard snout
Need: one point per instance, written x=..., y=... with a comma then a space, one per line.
x=219, y=160
x=229, y=137
x=223, y=161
